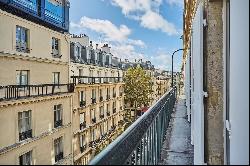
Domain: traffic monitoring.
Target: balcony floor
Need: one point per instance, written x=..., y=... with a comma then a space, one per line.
x=177, y=148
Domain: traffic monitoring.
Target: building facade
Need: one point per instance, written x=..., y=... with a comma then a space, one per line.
x=216, y=67
x=36, y=98
x=98, y=104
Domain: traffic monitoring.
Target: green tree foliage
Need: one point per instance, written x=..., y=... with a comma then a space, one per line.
x=138, y=87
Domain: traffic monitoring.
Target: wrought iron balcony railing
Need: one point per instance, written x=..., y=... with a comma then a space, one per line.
x=93, y=100
x=108, y=113
x=83, y=125
x=82, y=103
x=14, y=92
x=25, y=135
x=147, y=133
x=93, y=120
x=102, y=116
x=58, y=123
x=59, y=157
x=83, y=148
x=108, y=97
x=101, y=98
x=95, y=80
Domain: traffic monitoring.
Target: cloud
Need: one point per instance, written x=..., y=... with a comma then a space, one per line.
x=175, y=2
x=111, y=32
x=155, y=21
x=126, y=52
x=105, y=27
x=147, y=13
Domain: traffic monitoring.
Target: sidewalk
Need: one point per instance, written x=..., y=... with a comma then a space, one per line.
x=177, y=148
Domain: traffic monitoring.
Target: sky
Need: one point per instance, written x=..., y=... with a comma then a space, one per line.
x=135, y=29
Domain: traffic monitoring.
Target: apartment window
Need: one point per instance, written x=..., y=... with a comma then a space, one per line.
x=101, y=112
x=22, y=77
x=114, y=107
x=100, y=94
x=22, y=39
x=80, y=72
x=58, y=115
x=82, y=121
x=77, y=51
x=92, y=115
x=101, y=129
x=114, y=93
x=58, y=149
x=107, y=107
x=93, y=135
x=82, y=143
x=24, y=125
x=107, y=125
x=56, y=78
x=93, y=96
x=108, y=94
x=82, y=99
x=26, y=159
x=55, y=47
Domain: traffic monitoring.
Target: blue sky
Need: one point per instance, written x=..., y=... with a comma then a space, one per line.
x=135, y=29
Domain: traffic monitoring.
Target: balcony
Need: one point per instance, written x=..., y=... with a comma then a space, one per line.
x=108, y=113
x=96, y=80
x=93, y=100
x=101, y=116
x=147, y=132
x=22, y=47
x=58, y=123
x=93, y=120
x=101, y=98
x=83, y=126
x=82, y=104
x=108, y=97
x=54, y=16
x=83, y=148
x=59, y=157
x=25, y=135
x=15, y=92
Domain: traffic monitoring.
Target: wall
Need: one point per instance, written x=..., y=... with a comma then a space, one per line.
x=40, y=38
x=42, y=122
x=213, y=50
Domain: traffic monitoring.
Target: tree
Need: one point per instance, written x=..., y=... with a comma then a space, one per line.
x=138, y=87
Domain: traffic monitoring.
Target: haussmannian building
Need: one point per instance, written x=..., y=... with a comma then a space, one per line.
x=98, y=101
x=35, y=94
x=61, y=98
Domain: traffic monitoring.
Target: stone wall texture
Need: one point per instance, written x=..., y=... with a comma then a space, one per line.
x=214, y=78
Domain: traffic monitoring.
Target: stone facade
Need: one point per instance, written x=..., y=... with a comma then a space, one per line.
x=213, y=63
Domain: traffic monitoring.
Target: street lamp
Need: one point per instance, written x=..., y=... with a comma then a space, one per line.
x=172, y=84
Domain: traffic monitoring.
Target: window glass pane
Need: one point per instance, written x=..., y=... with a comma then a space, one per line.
x=18, y=34
x=82, y=118
x=56, y=77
